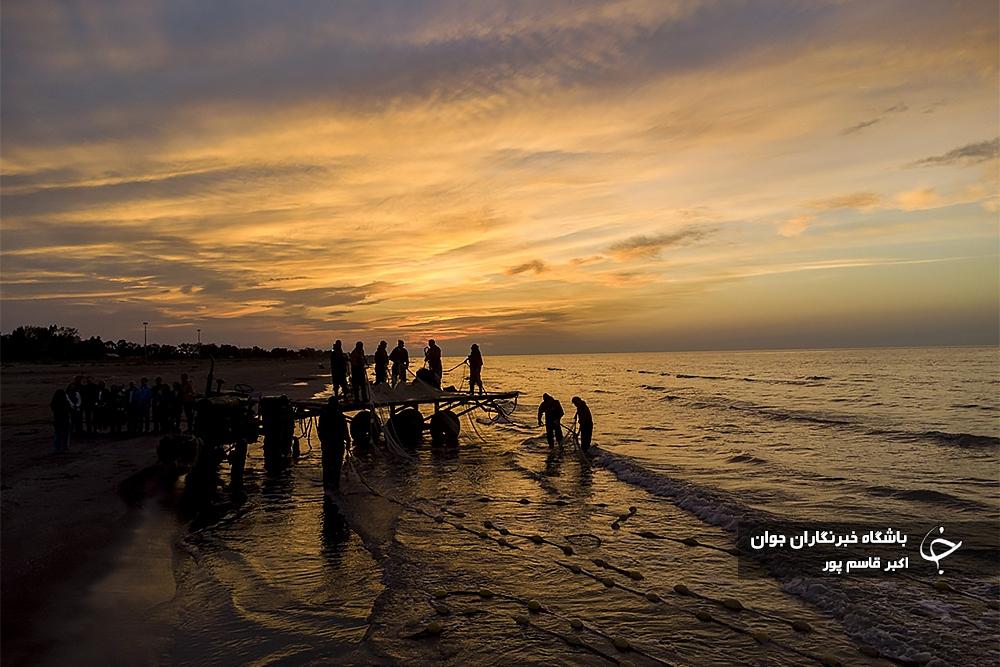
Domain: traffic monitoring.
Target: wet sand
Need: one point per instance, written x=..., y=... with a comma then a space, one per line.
x=75, y=554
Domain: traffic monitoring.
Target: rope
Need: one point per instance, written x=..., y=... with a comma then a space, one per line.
x=681, y=590
x=392, y=443
x=461, y=363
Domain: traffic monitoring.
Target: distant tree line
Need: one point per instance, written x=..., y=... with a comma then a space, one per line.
x=55, y=343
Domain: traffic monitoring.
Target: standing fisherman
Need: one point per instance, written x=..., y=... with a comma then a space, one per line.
x=338, y=369
x=334, y=439
x=476, y=370
x=359, y=376
x=586, y=421
x=62, y=420
x=432, y=356
x=382, y=363
x=400, y=359
x=552, y=409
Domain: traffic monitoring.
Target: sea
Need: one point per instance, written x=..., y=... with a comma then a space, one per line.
x=507, y=551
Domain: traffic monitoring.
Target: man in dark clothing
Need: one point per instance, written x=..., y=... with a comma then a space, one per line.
x=400, y=359
x=145, y=397
x=156, y=405
x=382, y=363
x=74, y=395
x=476, y=370
x=552, y=409
x=62, y=420
x=359, y=376
x=132, y=408
x=334, y=438
x=187, y=402
x=88, y=402
x=101, y=406
x=433, y=358
x=586, y=422
x=338, y=369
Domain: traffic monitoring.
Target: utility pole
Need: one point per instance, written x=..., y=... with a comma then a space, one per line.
x=145, y=331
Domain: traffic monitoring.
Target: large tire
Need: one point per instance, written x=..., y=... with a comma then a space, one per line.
x=407, y=426
x=366, y=429
x=445, y=428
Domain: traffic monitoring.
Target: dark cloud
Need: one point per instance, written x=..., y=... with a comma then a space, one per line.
x=60, y=198
x=66, y=80
x=860, y=126
x=894, y=109
x=650, y=245
x=982, y=151
x=536, y=266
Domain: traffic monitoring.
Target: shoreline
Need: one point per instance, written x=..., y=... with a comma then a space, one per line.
x=65, y=528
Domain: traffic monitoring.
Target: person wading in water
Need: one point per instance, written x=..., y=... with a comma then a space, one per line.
x=334, y=438
x=553, y=411
x=586, y=421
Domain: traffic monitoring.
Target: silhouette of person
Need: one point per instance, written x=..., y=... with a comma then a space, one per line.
x=117, y=408
x=586, y=421
x=101, y=406
x=400, y=359
x=334, y=438
x=88, y=401
x=145, y=397
x=359, y=376
x=476, y=370
x=553, y=411
x=187, y=402
x=156, y=402
x=132, y=407
x=382, y=363
x=62, y=420
x=432, y=356
x=338, y=369
x=73, y=395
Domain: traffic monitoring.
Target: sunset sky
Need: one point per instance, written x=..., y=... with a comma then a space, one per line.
x=535, y=176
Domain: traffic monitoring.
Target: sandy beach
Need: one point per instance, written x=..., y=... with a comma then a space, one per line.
x=65, y=525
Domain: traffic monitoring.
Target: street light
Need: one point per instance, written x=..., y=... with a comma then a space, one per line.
x=145, y=330
x=199, y=337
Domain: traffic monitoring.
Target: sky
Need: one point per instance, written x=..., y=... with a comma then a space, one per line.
x=538, y=177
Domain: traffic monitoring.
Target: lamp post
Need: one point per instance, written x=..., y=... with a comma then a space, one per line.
x=199, y=337
x=145, y=331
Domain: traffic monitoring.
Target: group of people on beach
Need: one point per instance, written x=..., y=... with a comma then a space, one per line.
x=86, y=407
x=354, y=367
x=552, y=411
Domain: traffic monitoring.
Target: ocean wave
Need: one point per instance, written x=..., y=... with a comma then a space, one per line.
x=872, y=618
x=710, y=505
x=964, y=440
x=811, y=380
x=925, y=496
x=746, y=458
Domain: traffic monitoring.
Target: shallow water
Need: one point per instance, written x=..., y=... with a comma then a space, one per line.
x=695, y=443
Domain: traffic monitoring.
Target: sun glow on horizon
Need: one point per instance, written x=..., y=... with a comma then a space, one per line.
x=612, y=175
